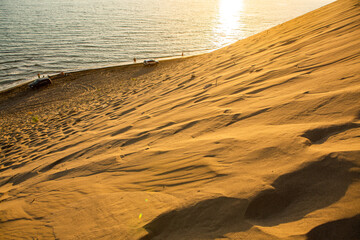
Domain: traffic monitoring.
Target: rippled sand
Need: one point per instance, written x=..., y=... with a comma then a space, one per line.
x=258, y=140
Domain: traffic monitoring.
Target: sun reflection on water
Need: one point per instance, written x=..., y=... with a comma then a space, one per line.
x=229, y=20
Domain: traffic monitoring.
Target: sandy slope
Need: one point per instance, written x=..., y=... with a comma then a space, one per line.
x=258, y=140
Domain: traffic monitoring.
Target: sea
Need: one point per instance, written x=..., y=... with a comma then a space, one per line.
x=50, y=36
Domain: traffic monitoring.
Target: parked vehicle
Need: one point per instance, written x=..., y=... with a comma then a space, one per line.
x=150, y=62
x=40, y=82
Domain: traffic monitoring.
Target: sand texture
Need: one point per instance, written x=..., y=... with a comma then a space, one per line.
x=257, y=140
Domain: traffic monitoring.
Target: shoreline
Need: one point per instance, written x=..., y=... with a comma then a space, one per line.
x=25, y=82
x=125, y=64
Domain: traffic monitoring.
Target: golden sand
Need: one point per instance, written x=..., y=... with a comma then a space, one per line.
x=258, y=140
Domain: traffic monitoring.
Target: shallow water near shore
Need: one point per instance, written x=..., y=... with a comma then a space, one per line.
x=49, y=36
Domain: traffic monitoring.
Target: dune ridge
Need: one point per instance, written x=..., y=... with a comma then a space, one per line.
x=257, y=140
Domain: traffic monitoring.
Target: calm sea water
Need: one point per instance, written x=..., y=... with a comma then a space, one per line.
x=49, y=36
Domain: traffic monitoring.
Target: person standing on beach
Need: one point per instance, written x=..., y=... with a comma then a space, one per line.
x=134, y=60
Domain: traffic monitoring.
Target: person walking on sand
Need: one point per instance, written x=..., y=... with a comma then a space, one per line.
x=134, y=60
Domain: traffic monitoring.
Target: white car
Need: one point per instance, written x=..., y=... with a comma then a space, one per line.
x=150, y=62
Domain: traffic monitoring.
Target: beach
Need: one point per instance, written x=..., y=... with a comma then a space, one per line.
x=50, y=36
x=256, y=140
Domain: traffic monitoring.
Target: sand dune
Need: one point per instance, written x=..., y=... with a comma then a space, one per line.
x=258, y=140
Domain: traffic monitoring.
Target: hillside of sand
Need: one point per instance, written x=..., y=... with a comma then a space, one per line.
x=258, y=140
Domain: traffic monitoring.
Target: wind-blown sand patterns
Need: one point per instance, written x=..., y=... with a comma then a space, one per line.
x=258, y=140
